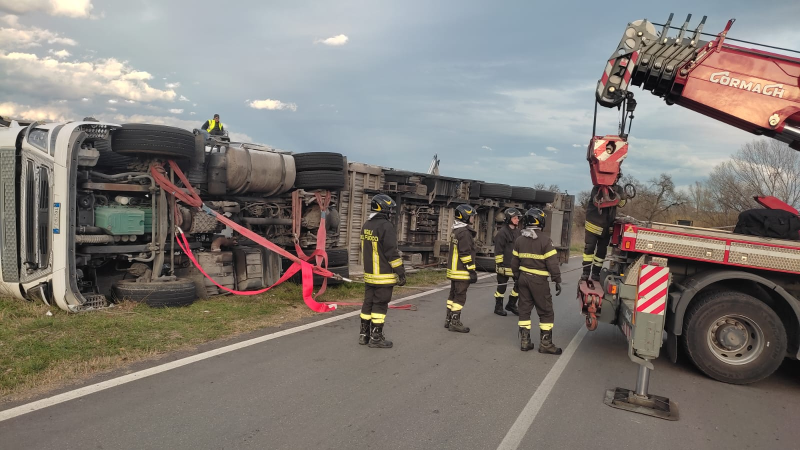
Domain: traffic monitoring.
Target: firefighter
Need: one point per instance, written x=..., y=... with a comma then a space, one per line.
x=503, y=245
x=383, y=269
x=460, y=267
x=533, y=260
x=214, y=126
x=599, y=224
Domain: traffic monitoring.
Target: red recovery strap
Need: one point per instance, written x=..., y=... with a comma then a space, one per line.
x=193, y=199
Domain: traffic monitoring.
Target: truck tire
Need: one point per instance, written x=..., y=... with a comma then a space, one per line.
x=180, y=292
x=545, y=196
x=304, y=162
x=474, y=189
x=338, y=257
x=110, y=158
x=733, y=337
x=491, y=190
x=343, y=271
x=137, y=139
x=320, y=179
x=485, y=263
x=524, y=194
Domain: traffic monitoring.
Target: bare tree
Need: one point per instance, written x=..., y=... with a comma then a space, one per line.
x=760, y=167
x=551, y=188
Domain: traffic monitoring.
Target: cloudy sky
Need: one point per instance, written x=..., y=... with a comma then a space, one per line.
x=502, y=91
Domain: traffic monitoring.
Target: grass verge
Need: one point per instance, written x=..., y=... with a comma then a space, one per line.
x=40, y=352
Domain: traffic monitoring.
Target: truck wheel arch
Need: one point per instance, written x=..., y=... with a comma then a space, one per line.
x=699, y=282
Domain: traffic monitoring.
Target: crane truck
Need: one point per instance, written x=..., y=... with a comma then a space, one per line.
x=731, y=301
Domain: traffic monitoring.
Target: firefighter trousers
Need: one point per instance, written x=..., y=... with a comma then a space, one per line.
x=594, y=252
x=458, y=295
x=376, y=302
x=534, y=291
x=502, y=282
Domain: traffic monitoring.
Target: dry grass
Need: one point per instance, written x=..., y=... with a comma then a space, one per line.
x=40, y=352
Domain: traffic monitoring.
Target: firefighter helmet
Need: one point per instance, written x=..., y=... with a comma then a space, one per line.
x=464, y=212
x=511, y=213
x=382, y=203
x=535, y=217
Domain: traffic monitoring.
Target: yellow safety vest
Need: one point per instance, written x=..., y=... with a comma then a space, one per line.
x=211, y=125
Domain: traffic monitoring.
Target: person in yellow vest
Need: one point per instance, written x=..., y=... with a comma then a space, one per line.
x=214, y=126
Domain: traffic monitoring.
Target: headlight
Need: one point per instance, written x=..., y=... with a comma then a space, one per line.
x=38, y=139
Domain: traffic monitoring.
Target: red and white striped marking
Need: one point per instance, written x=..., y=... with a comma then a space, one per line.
x=653, y=286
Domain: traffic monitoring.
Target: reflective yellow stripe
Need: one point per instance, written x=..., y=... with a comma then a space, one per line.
x=498, y=295
x=466, y=259
x=212, y=124
x=514, y=252
x=457, y=274
x=471, y=267
x=546, y=326
x=454, y=264
x=505, y=271
x=456, y=307
x=514, y=293
x=449, y=302
x=543, y=273
x=378, y=318
x=498, y=259
x=366, y=316
x=396, y=263
x=388, y=278
x=376, y=263
x=525, y=324
x=536, y=256
x=596, y=258
x=592, y=228
x=587, y=257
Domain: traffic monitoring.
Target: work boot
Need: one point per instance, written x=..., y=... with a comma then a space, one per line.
x=585, y=274
x=511, y=306
x=447, y=320
x=525, y=339
x=456, y=325
x=546, y=345
x=363, y=333
x=498, y=307
x=377, y=340
x=596, y=272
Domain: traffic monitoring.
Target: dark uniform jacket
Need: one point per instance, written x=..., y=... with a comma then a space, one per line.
x=462, y=253
x=534, y=254
x=382, y=262
x=503, y=246
x=598, y=221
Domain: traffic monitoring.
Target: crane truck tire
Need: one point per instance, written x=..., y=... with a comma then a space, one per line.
x=138, y=139
x=320, y=179
x=180, y=292
x=734, y=337
x=318, y=161
x=491, y=190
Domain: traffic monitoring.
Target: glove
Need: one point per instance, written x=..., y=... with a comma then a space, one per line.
x=515, y=276
x=558, y=289
x=473, y=276
x=401, y=279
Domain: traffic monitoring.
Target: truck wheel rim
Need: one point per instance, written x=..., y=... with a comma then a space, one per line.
x=735, y=339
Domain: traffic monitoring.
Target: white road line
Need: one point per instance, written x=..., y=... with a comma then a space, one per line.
x=87, y=390
x=526, y=417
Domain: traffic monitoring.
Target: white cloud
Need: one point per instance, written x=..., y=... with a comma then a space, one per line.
x=272, y=105
x=25, y=112
x=174, y=85
x=334, y=41
x=183, y=99
x=49, y=77
x=551, y=149
x=111, y=109
x=112, y=101
x=60, y=53
x=176, y=111
x=578, y=145
x=532, y=154
x=192, y=113
x=68, y=8
x=170, y=121
x=15, y=35
x=84, y=99
x=486, y=147
x=130, y=101
x=240, y=137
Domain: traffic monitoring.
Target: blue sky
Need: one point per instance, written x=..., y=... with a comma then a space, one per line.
x=501, y=91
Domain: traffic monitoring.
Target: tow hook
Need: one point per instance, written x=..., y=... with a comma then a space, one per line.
x=590, y=296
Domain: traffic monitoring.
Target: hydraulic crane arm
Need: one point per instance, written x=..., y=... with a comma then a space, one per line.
x=754, y=90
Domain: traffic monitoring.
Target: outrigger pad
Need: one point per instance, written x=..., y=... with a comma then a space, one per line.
x=653, y=405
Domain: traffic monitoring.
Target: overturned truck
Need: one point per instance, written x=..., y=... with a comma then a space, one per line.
x=85, y=224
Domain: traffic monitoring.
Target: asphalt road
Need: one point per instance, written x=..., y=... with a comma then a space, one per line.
x=435, y=389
